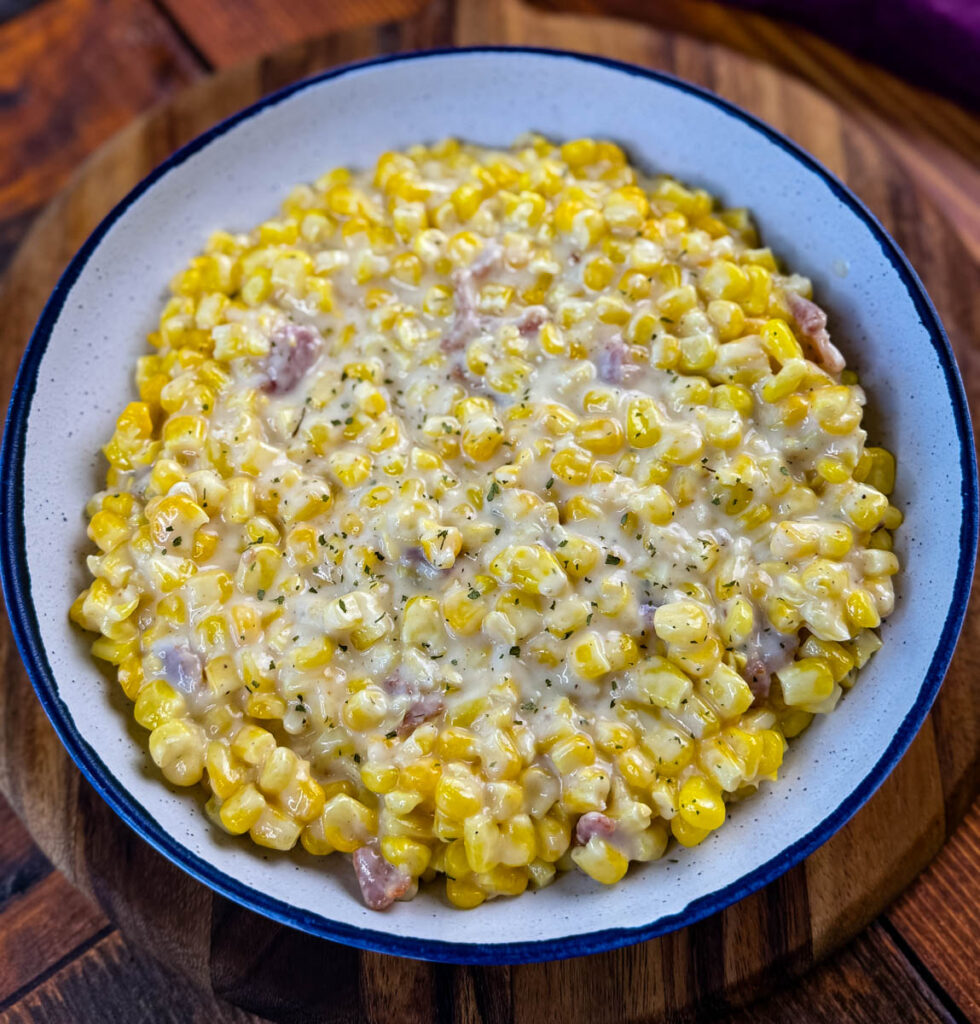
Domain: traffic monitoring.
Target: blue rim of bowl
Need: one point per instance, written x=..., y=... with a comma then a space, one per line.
x=17, y=585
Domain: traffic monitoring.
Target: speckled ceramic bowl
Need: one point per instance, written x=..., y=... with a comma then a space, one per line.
x=77, y=374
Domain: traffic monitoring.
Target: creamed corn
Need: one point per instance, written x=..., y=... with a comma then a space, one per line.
x=486, y=515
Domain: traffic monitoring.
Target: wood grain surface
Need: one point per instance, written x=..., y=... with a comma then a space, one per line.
x=62, y=959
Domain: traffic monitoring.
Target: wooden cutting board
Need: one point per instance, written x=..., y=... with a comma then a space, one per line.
x=763, y=941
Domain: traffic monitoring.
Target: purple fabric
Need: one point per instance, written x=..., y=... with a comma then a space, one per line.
x=935, y=43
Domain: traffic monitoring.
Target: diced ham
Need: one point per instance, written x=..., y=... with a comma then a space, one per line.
x=397, y=685
x=593, y=823
x=812, y=323
x=380, y=881
x=647, y=611
x=295, y=348
x=413, y=558
x=767, y=652
x=611, y=362
x=422, y=708
x=532, y=319
x=461, y=375
x=181, y=667
x=466, y=321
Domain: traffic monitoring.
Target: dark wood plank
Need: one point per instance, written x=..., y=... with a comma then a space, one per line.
x=41, y=927
x=114, y=982
x=935, y=138
x=122, y=55
x=22, y=864
x=870, y=982
x=709, y=968
x=272, y=970
x=230, y=33
x=939, y=917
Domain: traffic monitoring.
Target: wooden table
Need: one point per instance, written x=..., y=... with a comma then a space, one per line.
x=60, y=959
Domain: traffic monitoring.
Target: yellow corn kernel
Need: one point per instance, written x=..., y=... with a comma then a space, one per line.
x=350, y=468
x=793, y=409
x=541, y=873
x=701, y=805
x=727, y=317
x=836, y=408
x=177, y=749
x=807, y=681
x=598, y=273
x=861, y=610
x=224, y=770
x=365, y=709
x=865, y=506
x=108, y=530
x=724, y=280
x=675, y=302
x=880, y=472
x=600, y=435
x=242, y=809
x=278, y=771
x=572, y=465
x=661, y=683
x=481, y=839
x=586, y=789
x=839, y=660
x=575, y=751
x=780, y=342
x=422, y=624
x=600, y=860
x=786, y=381
x=464, y=893
x=577, y=555
x=158, y=702
x=130, y=676
x=222, y=675
x=636, y=768
x=421, y=776
x=670, y=748
x=635, y=285
x=532, y=568
x=681, y=622
x=347, y=824
x=621, y=651
x=783, y=616
x=275, y=829
x=687, y=834
x=643, y=422
x=727, y=691
x=253, y=744
x=406, y=854
x=379, y=778
x=459, y=794
x=833, y=470
x=771, y=756
x=588, y=657
x=553, y=836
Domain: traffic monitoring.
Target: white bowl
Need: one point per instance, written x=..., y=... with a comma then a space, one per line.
x=77, y=373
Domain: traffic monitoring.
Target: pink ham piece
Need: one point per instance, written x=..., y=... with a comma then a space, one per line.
x=812, y=323
x=381, y=882
x=767, y=652
x=533, y=319
x=466, y=320
x=422, y=706
x=295, y=348
x=611, y=362
x=181, y=667
x=592, y=823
